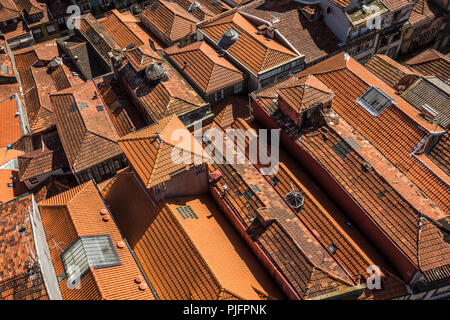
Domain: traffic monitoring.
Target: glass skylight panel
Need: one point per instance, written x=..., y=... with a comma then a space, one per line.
x=375, y=101
x=89, y=251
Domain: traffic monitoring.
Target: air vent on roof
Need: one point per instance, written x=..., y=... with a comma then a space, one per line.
x=194, y=6
x=187, y=212
x=295, y=199
x=332, y=248
x=428, y=113
x=366, y=166
x=100, y=108
x=229, y=37
x=155, y=71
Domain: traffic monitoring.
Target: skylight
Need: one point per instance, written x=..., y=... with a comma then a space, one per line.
x=187, y=212
x=89, y=251
x=375, y=101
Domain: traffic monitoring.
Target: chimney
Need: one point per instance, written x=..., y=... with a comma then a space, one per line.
x=428, y=113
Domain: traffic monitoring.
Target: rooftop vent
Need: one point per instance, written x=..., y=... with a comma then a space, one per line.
x=155, y=71
x=55, y=63
x=332, y=248
x=194, y=6
x=295, y=199
x=229, y=37
x=428, y=112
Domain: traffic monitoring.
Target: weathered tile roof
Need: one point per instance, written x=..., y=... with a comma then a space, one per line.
x=207, y=258
x=201, y=63
x=256, y=52
x=350, y=82
x=10, y=126
x=440, y=154
x=389, y=70
x=434, y=93
x=30, y=6
x=87, y=133
x=381, y=192
x=6, y=155
x=231, y=108
x=304, y=92
x=171, y=95
x=8, y=11
x=312, y=39
x=431, y=63
x=207, y=9
x=424, y=11
x=170, y=19
x=142, y=57
x=395, y=5
x=10, y=186
x=150, y=150
x=77, y=213
x=20, y=275
x=118, y=29
x=40, y=162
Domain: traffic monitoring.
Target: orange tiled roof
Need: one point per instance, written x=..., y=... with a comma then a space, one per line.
x=87, y=133
x=76, y=213
x=123, y=35
x=39, y=162
x=207, y=258
x=424, y=11
x=8, y=11
x=171, y=95
x=30, y=6
x=10, y=126
x=304, y=92
x=149, y=150
x=382, y=192
x=20, y=276
x=312, y=39
x=7, y=193
x=407, y=128
x=389, y=70
x=440, y=154
x=207, y=9
x=256, y=52
x=142, y=57
x=170, y=19
x=431, y=63
x=201, y=63
x=7, y=155
x=331, y=225
x=231, y=108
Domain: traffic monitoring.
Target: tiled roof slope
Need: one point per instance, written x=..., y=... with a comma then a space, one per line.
x=8, y=11
x=312, y=39
x=377, y=192
x=424, y=11
x=304, y=92
x=6, y=155
x=231, y=108
x=332, y=227
x=431, y=63
x=170, y=19
x=10, y=186
x=123, y=35
x=389, y=70
x=205, y=67
x=97, y=35
x=440, y=154
x=171, y=95
x=434, y=93
x=10, y=126
x=40, y=162
x=349, y=81
x=150, y=150
x=394, y=5
x=192, y=258
x=76, y=213
x=20, y=274
x=87, y=134
x=254, y=51
x=206, y=10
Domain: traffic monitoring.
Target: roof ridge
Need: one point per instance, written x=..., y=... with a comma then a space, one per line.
x=152, y=173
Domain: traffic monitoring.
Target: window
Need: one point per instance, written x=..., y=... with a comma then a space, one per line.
x=88, y=251
x=375, y=101
x=219, y=95
x=199, y=169
x=105, y=3
x=37, y=33
x=51, y=29
x=187, y=212
x=160, y=188
x=34, y=180
x=238, y=87
x=85, y=5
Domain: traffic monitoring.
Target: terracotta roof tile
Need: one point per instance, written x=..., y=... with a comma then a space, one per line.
x=205, y=67
x=10, y=123
x=424, y=11
x=76, y=213
x=170, y=19
x=6, y=155
x=431, y=63
x=40, y=162
x=10, y=186
x=8, y=11
x=440, y=154
x=199, y=258
x=312, y=39
x=86, y=132
x=20, y=275
x=256, y=52
x=123, y=35
x=149, y=150
x=233, y=107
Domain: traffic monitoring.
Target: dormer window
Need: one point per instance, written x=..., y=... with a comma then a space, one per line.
x=88, y=251
x=375, y=101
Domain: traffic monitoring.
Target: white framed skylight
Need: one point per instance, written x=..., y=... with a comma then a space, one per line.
x=375, y=101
